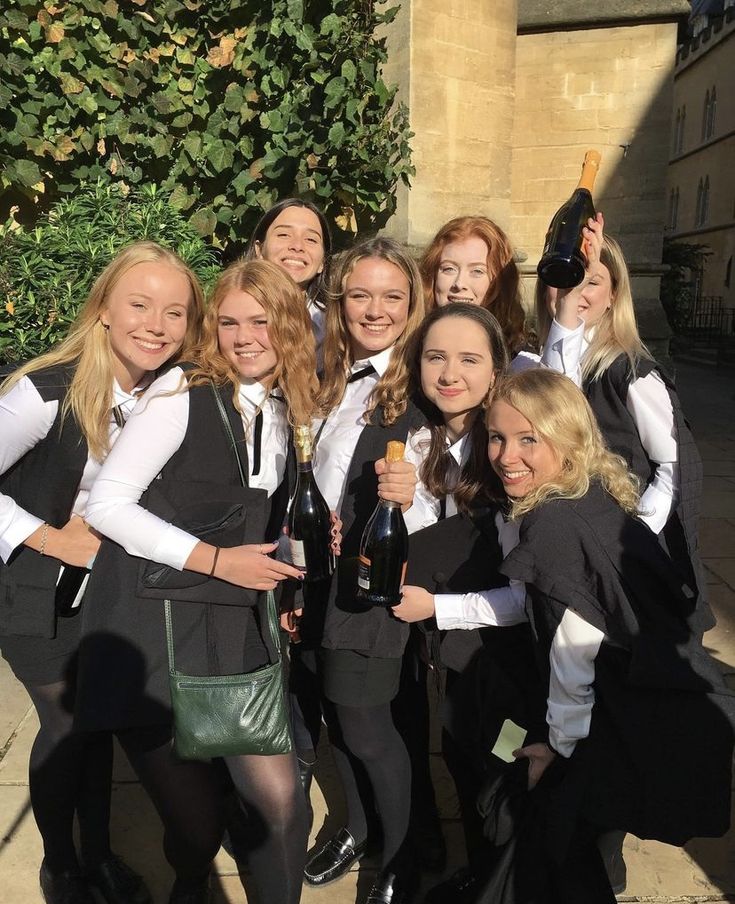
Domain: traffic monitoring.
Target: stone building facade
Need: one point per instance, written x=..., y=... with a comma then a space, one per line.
x=506, y=97
x=701, y=172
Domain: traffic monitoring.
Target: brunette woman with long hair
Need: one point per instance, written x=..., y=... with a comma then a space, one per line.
x=178, y=469
x=59, y=416
x=375, y=307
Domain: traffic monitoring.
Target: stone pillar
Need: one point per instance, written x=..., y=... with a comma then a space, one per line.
x=454, y=63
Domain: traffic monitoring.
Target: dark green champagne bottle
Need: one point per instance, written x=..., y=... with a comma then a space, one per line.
x=383, y=549
x=563, y=263
x=309, y=523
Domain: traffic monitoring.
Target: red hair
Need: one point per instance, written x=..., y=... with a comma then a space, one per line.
x=502, y=296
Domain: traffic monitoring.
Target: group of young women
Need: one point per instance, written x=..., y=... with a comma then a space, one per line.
x=554, y=523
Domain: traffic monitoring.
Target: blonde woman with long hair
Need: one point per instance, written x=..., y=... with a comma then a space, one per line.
x=590, y=334
x=354, y=655
x=175, y=472
x=627, y=678
x=59, y=416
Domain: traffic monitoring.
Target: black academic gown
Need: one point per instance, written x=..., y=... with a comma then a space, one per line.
x=657, y=759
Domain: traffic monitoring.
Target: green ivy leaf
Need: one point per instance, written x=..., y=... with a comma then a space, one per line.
x=204, y=221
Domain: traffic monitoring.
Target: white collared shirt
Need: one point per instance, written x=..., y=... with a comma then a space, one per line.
x=25, y=420
x=342, y=428
x=153, y=433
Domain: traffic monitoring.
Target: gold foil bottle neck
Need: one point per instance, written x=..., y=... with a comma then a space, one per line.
x=394, y=451
x=302, y=442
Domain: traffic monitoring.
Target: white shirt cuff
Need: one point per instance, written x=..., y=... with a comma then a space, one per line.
x=23, y=524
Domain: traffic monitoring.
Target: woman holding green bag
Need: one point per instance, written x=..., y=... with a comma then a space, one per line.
x=189, y=505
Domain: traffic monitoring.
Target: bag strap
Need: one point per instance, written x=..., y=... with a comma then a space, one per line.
x=169, y=637
x=228, y=430
x=272, y=616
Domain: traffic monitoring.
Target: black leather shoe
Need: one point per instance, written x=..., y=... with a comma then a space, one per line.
x=190, y=892
x=118, y=883
x=391, y=888
x=461, y=887
x=332, y=861
x=67, y=887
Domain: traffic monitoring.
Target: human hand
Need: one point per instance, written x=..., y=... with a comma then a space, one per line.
x=74, y=544
x=592, y=239
x=335, y=533
x=396, y=481
x=251, y=566
x=416, y=604
x=290, y=624
x=540, y=757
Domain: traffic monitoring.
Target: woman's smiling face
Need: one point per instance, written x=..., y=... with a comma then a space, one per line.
x=375, y=303
x=522, y=460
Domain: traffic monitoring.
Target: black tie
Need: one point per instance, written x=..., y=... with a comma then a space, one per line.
x=359, y=374
x=258, y=435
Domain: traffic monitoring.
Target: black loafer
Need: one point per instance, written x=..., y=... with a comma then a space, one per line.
x=67, y=887
x=118, y=883
x=391, y=888
x=332, y=861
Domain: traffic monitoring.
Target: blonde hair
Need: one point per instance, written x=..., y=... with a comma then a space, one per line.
x=392, y=388
x=87, y=347
x=616, y=332
x=289, y=333
x=561, y=416
x=503, y=296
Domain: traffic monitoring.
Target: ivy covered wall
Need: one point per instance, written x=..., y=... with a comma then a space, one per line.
x=225, y=105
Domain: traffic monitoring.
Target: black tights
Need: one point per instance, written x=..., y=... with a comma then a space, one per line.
x=189, y=798
x=69, y=772
x=370, y=735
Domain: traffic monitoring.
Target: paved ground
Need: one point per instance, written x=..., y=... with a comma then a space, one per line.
x=703, y=871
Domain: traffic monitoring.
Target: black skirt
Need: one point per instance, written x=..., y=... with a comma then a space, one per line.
x=36, y=661
x=358, y=679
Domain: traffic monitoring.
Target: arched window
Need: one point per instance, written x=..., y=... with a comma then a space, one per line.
x=705, y=116
x=698, y=210
x=675, y=211
x=705, y=201
x=677, y=125
x=728, y=273
x=682, y=124
x=712, y=111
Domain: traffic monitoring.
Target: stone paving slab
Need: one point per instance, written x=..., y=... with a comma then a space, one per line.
x=15, y=703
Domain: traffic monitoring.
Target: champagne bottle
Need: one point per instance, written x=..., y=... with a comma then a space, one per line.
x=562, y=263
x=383, y=549
x=309, y=523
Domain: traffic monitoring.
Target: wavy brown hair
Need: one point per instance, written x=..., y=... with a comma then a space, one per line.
x=476, y=476
x=392, y=389
x=560, y=415
x=616, y=332
x=289, y=332
x=503, y=294
x=87, y=346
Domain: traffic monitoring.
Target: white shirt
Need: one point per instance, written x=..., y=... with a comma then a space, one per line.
x=341, y=431
x=649, y=405
x=25, y=420
x=153, y=433
x=426, y=508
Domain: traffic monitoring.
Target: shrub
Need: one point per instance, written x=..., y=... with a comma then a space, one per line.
x=225, y=104
x=46, y=272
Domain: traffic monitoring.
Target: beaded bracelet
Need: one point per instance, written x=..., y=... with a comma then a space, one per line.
x=44, y=537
